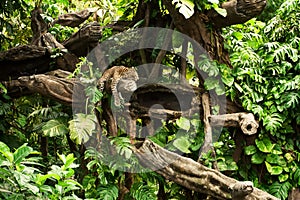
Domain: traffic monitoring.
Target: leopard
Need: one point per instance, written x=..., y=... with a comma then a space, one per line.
x=127, y=76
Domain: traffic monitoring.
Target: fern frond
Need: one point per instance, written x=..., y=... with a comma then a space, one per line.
x=273, y=122
x=280, y=190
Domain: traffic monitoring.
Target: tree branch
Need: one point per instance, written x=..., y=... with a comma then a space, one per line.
x=195, y=176
x=238, y=12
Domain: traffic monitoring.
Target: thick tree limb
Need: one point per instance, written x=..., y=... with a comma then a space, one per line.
x=66, y=61
x=74, y=19
x=246, y=121
x=238, y=12
x=60, y=89
x=23, y=60
x=195, y=176
x=84, y=40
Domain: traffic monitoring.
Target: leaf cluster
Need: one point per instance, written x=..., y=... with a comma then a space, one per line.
x=266, y=78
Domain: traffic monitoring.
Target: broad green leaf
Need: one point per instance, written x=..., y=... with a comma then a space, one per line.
x=21, y=153
x=5, y=151
x=276, y=159
x=283, y=177
x=157, y=140
x=221, y=11
x=273, y=170
x=109, y=192
x=4, y=147
x=211, y=83
x=228, y=80
x=54, y=128
x=40, y=179
x=186, y=7
x=289, y=157
x=220, y=90
x=3, y=89
x=82, y=127
x=21, y=178
x=265, y=145
x=231, y=165
x=258, y=158
x=70, y=161
x=238, y=35
x=250, y=150
x=182, y=144
x=222, y=166
x=183, y=123
x=34, y=189
x=196, y=123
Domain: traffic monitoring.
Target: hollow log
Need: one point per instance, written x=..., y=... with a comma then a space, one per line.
x=245, y=121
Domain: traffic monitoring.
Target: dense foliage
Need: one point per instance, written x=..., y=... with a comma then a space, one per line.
x=264, y=79
x=266, y=72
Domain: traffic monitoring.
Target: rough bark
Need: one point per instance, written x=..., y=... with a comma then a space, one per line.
x=238, y=12
x=195, y=176
x=84, y=40
x=207, y=126
x=23, y=60
x=245, y=121
x=74, y=19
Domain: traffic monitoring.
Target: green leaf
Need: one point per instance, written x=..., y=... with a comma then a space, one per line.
x=4, y=147
x=40, y=179
x=109, y=192
x=220, y=90
x=289, y=157
x=281, y=190
x=276, y=159
x=211, y=83
x=186, y=7
x=221, y=11
x=258, y=158
x=277, y=149
x=250, y=150
x=283, y=177
x=5, y=151
x=82, y=127
x=265, y=145
x=228, y=80
x=238, y=87
x=238, y=35
x=21, y=153
x=34, y=189
x=54, y=128
x=222, y=165
x=183, y=123
x=273, y=170
x=69, y=161
x=182, y=144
